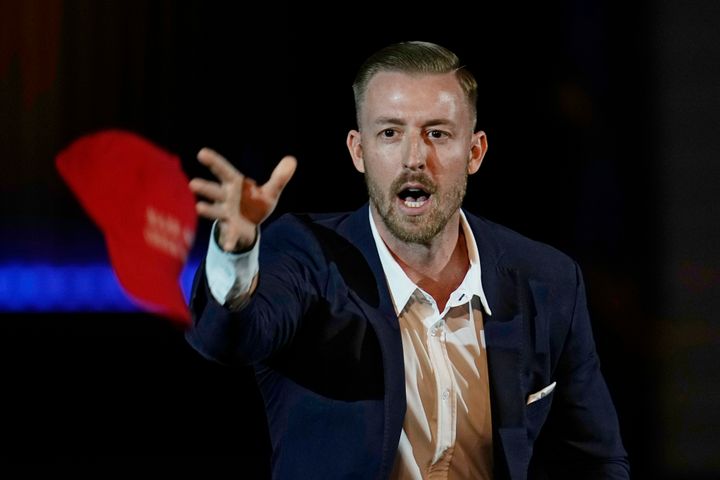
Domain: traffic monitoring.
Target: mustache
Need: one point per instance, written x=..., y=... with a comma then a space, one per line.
x=413, y=177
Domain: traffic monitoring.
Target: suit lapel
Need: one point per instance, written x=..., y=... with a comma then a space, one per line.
x=356, y=229
x=506, y=334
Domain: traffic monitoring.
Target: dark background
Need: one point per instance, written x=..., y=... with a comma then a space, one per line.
x=601, y=117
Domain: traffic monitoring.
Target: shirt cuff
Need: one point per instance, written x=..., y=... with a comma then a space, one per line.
x=230, y=275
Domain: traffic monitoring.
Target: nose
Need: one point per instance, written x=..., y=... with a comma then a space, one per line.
x=416, y=152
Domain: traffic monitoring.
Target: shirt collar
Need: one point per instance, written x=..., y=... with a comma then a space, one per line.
x=402, y=288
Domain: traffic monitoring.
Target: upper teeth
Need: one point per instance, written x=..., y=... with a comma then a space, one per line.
x=414, y=204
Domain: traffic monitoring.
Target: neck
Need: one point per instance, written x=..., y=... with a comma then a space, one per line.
x=438, y=267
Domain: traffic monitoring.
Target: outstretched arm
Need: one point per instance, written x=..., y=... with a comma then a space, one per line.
x=226, y=281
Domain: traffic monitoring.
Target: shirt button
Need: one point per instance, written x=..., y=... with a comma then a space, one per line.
x=445, y=394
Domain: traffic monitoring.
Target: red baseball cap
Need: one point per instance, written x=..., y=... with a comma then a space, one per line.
x=138, y=194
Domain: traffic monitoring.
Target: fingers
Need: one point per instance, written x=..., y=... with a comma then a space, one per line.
x=236, y=195
x=210, y=190
x=218, y=165
x=281, y=175
x=212, y=211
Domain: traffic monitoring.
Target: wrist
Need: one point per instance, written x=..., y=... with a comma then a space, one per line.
x=241, y=245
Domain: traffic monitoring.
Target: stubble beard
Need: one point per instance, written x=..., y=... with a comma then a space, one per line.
x=418, y=229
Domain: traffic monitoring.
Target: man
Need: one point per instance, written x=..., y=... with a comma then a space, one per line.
x=407, y=339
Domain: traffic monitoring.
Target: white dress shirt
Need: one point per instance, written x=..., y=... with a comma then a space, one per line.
x=447, y=431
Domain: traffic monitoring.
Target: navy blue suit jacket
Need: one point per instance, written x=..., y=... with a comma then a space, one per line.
x=323, y=337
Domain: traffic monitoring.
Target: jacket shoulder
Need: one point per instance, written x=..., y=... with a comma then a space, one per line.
x=291, y=228
x=306, y=220
x=530, y=257
x=307, y=237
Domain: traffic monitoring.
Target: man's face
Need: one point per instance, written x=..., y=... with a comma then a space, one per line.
x=416, y=147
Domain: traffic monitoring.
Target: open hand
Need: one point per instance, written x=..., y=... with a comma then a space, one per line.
x=237, y=202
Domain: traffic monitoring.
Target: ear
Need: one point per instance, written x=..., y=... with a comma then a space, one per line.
x=354, y=145
x=477, y=151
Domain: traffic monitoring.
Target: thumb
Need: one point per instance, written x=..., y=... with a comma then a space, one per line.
x=281, y=175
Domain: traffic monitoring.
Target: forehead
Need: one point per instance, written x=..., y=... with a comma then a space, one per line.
x=402, y=95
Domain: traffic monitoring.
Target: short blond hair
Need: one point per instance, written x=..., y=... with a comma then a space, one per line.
x=414, y=57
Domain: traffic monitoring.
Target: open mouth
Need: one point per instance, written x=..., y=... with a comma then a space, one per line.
x=414, y=197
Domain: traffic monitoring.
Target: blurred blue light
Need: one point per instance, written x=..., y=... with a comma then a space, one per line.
x=87, y=287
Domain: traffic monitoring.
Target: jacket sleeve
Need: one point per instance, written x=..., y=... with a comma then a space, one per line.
x=583, y=435
x=287, y=285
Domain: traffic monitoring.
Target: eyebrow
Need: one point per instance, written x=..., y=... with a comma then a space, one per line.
x=398, y=121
